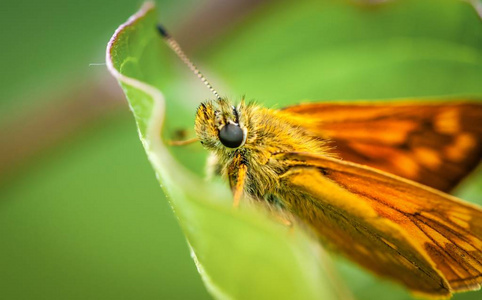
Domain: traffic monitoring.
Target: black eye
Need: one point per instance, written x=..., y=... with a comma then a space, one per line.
x=231, y=135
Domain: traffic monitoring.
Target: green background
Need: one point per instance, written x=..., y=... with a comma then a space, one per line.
x=86, y=219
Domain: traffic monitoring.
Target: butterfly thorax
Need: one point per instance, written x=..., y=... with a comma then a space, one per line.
x=266, y=132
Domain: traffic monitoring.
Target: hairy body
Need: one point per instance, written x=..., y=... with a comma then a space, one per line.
x=268, y=132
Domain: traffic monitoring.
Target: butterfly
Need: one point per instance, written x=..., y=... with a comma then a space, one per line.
x=368, y=178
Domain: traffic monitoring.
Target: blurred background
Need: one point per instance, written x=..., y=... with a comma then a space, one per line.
x=81, y=213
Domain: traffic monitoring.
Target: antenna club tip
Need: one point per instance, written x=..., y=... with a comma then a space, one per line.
x=162, y=31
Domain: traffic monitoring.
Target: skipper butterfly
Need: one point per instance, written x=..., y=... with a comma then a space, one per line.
x=368, y=179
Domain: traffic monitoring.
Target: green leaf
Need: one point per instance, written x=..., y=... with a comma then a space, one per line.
x=239, y=253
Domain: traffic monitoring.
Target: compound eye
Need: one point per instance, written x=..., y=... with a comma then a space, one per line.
x=231, y=135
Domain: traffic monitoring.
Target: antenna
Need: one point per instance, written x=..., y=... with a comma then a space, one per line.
x=177, y=49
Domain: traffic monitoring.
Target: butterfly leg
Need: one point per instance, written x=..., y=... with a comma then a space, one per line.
x=239, y=185
x=284, y=220
x=183, y=143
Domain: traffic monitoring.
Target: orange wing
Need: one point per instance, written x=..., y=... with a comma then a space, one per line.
x=427, y=240
x=433, y=144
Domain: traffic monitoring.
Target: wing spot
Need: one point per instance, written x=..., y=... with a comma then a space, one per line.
x=461, y=146
x=407, y=166
x=462, y=220
x=391, y=245
x=448, y=121
x=428, y=157
x=362, y=249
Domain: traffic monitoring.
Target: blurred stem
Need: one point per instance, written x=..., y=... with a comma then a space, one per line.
x=39, y=129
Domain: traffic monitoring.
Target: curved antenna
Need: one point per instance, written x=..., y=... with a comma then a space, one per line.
x=177, y=49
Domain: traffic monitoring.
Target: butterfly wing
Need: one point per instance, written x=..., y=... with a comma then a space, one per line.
x=423, y=238
x=434, y=144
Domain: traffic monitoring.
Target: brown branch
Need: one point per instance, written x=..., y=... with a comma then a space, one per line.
x=39, y=129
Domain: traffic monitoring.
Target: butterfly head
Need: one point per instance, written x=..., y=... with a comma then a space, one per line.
x=220, y=125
